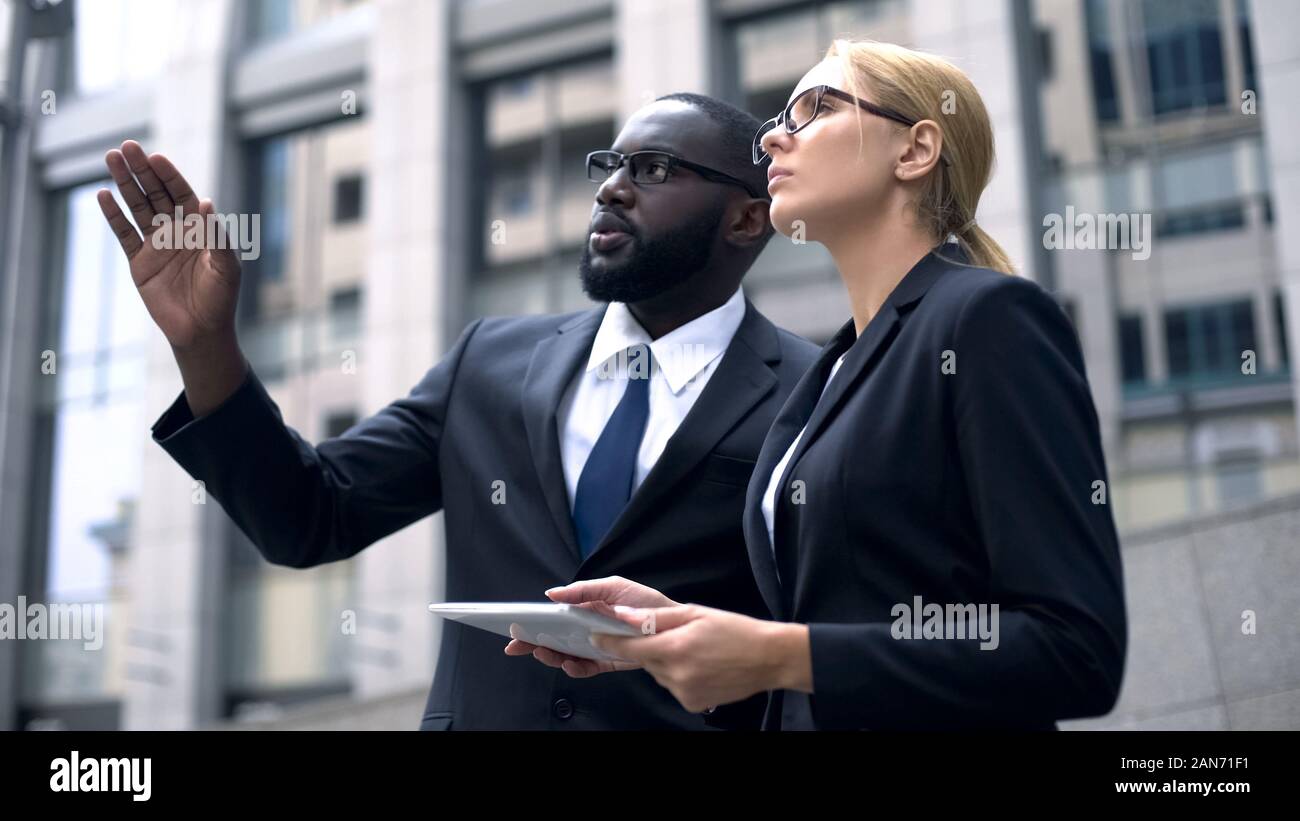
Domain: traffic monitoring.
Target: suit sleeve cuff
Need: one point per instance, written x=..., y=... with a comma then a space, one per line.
x=177, y=423
x=843, y=698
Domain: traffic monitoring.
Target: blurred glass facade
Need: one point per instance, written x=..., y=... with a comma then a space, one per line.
x=300, y=307
x=537, y=130
x=116, y=42
x=1170, y=133
x=300, y=317
x=274, y=19
x=91, y=413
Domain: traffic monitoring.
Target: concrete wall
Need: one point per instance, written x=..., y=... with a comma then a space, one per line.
x=1193, y=663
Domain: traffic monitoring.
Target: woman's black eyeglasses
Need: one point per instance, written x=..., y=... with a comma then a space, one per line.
x=654, y=167
x=805, y=107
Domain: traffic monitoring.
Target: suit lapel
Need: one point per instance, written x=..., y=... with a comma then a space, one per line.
x=808, y=399
x=789, y=421
x=878, y=333
x=740, y=382
x=554, y=362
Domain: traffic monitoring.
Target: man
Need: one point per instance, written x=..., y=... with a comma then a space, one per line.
x=604, y=473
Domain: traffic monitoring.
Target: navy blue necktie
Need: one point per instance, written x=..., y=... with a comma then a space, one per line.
x=605, y=484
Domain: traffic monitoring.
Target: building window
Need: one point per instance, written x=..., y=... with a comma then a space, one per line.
x=1247, y=44
x=1208, y=341
x=91, y=432
x=1132, y=351
x=1181, y=43
x=1279, y=316
x=1204, y=220
x=347, y=198
x=305, y=189
x=270, y=19
x=1046, y=55
x=273, y=19
x=534, y=200
x=345, y=314
x=1105, y=97
x=115, y=42
x=515, y=192
x=1238, y=482
x=1184, y=49
x=269, y=187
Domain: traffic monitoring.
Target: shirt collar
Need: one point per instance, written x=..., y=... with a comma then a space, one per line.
x=679, y=355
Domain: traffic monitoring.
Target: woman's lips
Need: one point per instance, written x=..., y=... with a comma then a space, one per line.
x=604, y=241
x=777, y=178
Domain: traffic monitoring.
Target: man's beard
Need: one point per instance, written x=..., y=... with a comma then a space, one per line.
x=656, y=266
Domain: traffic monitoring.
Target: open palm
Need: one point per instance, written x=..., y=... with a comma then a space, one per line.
x=191, y=293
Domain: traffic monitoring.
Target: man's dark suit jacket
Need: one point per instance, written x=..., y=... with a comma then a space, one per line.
x=487, y=413
x=966, y=484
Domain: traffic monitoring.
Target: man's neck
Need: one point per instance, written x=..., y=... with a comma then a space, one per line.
x=669, y=311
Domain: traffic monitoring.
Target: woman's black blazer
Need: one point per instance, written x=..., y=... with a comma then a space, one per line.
x=956, y=458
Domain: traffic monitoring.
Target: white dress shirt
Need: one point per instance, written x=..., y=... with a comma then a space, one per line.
x=769, y=497
x=684, y=360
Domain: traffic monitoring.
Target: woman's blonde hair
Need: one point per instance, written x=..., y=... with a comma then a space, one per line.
x=925, y=87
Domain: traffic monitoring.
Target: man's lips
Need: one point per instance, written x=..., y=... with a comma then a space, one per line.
x=608, y=232
x=605, y=241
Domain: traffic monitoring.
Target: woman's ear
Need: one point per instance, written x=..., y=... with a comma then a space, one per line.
x=924, y=147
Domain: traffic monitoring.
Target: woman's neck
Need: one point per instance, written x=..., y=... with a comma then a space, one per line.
x=873, y=260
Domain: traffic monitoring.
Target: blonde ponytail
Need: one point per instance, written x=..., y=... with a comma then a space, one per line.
x=983, y=251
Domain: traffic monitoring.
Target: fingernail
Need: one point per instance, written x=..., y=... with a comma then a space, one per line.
x=623, y=608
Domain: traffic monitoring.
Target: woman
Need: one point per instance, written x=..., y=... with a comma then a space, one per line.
x=927, y=519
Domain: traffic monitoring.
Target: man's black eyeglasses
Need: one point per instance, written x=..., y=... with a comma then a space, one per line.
x=654, y=167
x=805, y=107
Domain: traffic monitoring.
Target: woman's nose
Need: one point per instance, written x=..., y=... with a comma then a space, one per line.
x=774, y=139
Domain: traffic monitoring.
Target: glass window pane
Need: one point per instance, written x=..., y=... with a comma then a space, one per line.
x=272, y=19
x=97, y=436
x=538, y=128
x=1279, y=319
x=1184, y=54
x=1104, y=93
x=120, y=42
x=6, y=25
x=1177, y=344
x=1132, y=350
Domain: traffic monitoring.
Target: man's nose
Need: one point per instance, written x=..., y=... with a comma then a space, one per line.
x=617, y=188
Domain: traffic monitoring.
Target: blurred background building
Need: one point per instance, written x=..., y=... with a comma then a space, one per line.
x=418, y=163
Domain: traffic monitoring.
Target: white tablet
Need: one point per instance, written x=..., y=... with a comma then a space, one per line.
x=562, y=627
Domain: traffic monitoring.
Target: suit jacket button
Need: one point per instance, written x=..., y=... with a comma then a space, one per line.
x=563, y=708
